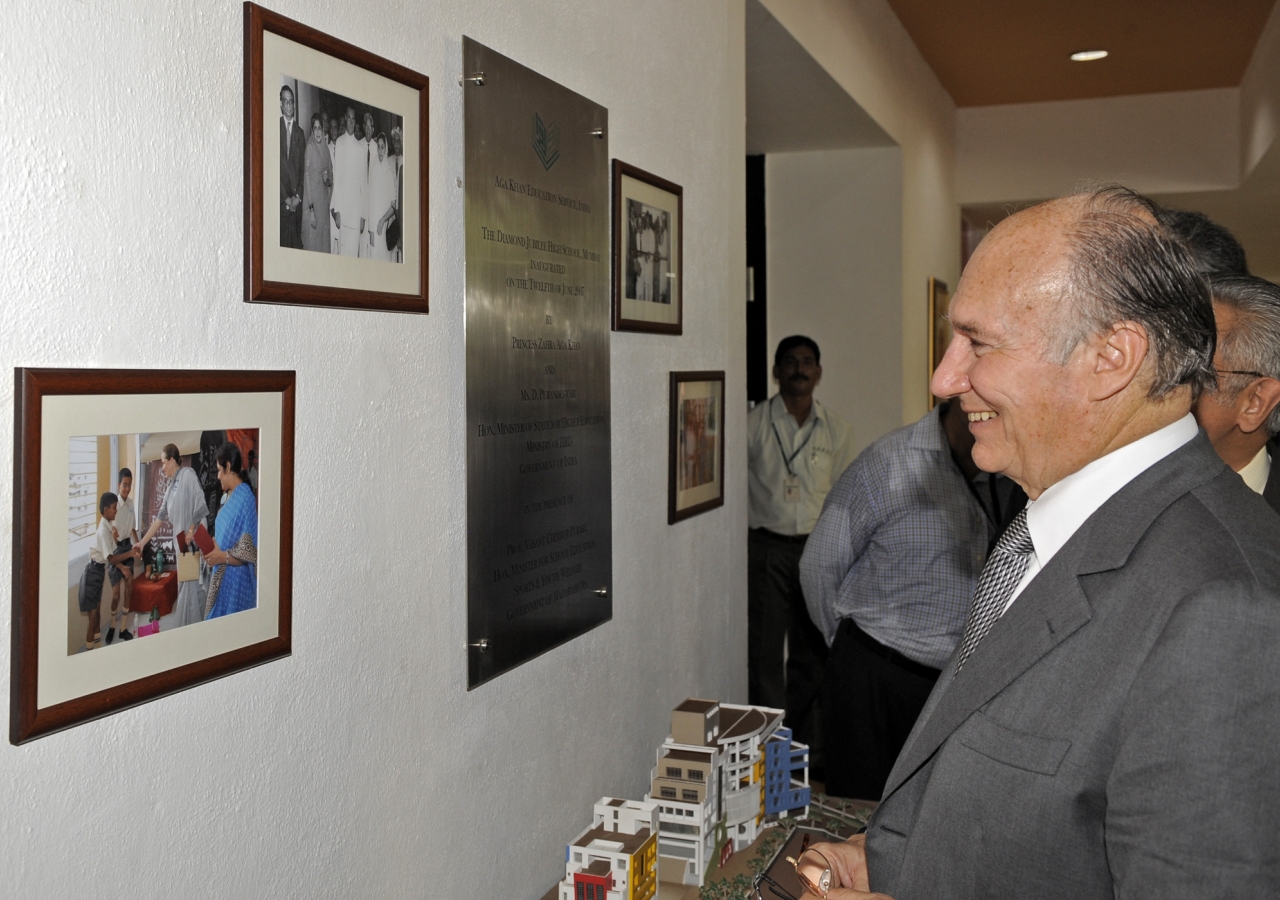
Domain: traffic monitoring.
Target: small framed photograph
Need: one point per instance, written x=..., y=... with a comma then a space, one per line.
x=335, y=172
x=696, y=470
x=939, y=330
x=152, y=536
x=648, y=252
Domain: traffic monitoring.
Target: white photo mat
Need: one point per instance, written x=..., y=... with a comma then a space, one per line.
x=61, y=677
x=695, y=390
x=281, y=56
x=643, y=310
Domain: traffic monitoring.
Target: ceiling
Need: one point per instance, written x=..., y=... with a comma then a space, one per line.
x=792, y=103
x=988, y=52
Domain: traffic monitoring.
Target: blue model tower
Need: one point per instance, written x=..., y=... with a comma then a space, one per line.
x=786, y=774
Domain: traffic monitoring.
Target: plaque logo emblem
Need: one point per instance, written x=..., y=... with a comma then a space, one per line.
x=546, y=141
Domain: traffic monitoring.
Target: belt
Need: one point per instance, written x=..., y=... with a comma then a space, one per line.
x=888, y=654
x=783, y=538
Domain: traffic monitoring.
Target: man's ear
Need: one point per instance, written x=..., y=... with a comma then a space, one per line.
x=1262, y=397
x=1117, y=356
x=775, y=374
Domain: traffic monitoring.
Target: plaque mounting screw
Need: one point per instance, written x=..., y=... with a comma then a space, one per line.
x=477, y=79
x=598, y=133
x=603, y=592
x=482, y=645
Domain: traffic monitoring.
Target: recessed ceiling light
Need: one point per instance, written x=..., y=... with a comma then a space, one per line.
x=1088, y=55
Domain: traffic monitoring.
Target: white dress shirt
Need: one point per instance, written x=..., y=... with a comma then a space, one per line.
x=1256, y=473
x=1064, y=507
x=819, y=451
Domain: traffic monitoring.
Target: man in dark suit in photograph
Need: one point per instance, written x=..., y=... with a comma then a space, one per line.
x=293, y=146
x=1242, y=417
x=1110, y=723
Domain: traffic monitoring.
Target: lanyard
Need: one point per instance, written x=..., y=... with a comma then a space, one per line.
x=787, y=460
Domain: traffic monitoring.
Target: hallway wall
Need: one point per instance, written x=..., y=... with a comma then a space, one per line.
x=835, y=246
x=361, y=766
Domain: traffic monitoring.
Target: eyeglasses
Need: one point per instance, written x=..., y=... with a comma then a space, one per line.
x=812, y=869
x=1237, y=372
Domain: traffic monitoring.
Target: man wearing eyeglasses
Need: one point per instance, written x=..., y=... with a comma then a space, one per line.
x=1242, y=417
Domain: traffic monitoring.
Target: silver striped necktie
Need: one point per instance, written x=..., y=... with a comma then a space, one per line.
x=1004, y=569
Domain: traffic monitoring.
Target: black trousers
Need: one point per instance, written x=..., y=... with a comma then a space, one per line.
x=776, y=612
x=871, y=698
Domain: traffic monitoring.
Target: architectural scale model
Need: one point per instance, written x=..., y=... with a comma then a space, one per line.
x=616, y=858
x=724, y=773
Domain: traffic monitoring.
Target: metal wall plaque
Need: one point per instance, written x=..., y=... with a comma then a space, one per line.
x=539, y=522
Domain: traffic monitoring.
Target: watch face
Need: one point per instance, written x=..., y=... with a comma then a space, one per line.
x=814, y=872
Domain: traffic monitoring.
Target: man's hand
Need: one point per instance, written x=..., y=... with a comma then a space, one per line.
x=849, y=869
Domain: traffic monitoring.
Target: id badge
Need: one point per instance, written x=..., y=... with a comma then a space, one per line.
x=791, y=489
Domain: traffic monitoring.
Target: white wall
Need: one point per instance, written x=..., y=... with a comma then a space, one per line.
x=1183, y=141
x=834, y=226
x=867, y=51
x=362, y=767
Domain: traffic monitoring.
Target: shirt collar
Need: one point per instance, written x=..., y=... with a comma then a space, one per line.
x=1064, y=507
x=1256, y=472
x=778, y=411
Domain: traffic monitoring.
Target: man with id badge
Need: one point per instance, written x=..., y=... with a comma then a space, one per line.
x=795, y=452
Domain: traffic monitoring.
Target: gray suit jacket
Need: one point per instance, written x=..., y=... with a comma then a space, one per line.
x=1117, y=732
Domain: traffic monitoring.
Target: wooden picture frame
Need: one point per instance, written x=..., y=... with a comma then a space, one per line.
x=695, y=480
x=648, y=252
x=939, y=331
x=288, y=256
x=79, y=427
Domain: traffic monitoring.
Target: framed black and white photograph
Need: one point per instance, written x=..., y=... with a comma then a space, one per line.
x=336, y=172
x=153, y=535
x=648, y=229
x=695, y=480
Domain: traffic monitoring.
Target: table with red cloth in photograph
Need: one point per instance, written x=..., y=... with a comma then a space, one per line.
x=148, y=594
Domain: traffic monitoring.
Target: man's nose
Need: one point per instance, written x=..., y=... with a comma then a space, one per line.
x=952, y=375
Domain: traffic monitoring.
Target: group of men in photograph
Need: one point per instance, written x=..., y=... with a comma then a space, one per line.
x=1053, y=604
x=340, y=195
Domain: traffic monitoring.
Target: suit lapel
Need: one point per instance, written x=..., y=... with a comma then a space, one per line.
x=1053, y=607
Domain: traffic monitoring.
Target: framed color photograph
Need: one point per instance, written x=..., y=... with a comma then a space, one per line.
x=152, y=536
x=648, y=233
x=696, y=469
x=335, y=172
x=939, y=330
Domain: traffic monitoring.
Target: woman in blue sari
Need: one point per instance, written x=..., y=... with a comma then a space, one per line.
x=234, y=586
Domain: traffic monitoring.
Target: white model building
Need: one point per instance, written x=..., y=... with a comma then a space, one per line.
x=710, y=782
x=616, y=858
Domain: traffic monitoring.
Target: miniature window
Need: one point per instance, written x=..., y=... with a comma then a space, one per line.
x=577, y=857
x=695, y=774
x=581, y=889
x=673, y=772
x=689, y=796
x=668, y=793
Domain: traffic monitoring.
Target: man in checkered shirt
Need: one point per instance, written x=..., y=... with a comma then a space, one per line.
x=888, y=575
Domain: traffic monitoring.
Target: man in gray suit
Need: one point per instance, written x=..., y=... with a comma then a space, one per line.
x=1242, y=417
x=1110, y=724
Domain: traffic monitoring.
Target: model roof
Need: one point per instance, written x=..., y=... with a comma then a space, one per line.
x=630, y=842
x=599, y=867
x=696, y=706
x=741, y=722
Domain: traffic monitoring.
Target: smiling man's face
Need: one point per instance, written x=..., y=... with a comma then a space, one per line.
x=1026, y=408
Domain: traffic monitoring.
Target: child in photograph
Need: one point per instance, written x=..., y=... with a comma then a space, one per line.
x=127, y=536
x=102, y=558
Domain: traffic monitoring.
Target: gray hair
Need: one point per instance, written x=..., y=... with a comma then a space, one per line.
x=1126, y=266
x=1253, y=343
